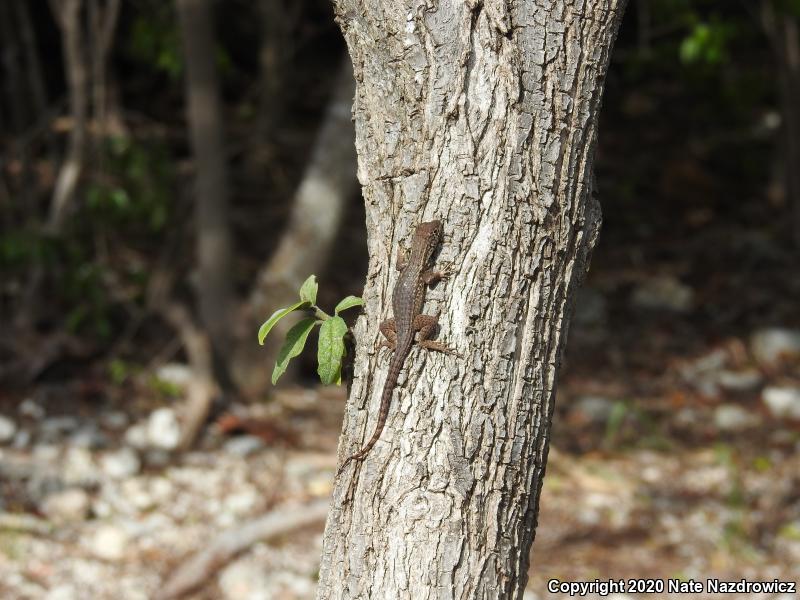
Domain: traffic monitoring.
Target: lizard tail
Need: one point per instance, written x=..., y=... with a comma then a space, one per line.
x=386, y=396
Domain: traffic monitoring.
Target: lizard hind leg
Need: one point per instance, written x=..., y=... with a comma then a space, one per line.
x=426, y=326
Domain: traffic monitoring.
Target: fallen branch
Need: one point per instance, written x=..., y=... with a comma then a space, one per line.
x=11, y=522
x=205, y=563
x=197, y=345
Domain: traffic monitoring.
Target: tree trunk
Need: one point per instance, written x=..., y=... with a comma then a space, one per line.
x=784, y=35
x=482, y=115
x=213, y=239
x=69, y=18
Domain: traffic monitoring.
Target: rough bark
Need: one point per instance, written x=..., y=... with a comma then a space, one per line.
x=483, y=115
x=213, y=238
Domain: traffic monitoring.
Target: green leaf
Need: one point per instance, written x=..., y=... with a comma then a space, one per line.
x=292, y=346
x=308, y=291
x=276, y=316
x=331, y=350
x=348, y=302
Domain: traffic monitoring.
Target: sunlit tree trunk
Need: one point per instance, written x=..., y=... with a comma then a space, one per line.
x=482, y=115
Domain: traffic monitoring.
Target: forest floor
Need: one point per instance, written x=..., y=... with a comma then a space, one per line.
x=675, y=451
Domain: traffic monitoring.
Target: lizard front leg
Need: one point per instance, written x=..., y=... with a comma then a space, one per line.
x=389, y=330
x=432, y=276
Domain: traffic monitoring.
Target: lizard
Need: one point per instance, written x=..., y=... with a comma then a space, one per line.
x=408, y=297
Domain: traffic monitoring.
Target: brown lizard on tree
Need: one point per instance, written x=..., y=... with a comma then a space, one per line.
x=407, y=300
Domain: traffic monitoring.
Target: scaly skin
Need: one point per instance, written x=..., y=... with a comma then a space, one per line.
x=407, y=300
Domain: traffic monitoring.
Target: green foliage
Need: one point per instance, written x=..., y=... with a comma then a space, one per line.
x=292, y=346
x=707, y=43
x=135, y=189
x=330, y=350
x=308, y=291
x=119, y=371
x=348, y=302
x=164, y=388
x=619, y=411
x=333, y=329
x=85, y=288
x=20, y=248
x=154, y=38
x=267, y=326
x=791, y=7
x=790, y=531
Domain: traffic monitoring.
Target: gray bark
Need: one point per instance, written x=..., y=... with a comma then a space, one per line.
x=483, y=115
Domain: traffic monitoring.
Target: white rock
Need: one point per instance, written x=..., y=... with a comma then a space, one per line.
x=157, y=459
x=686, y=417
x=291, y=584
x=175, y=373
x=161, y=488
x=55, y=426
x=30, y=408
x=739, y=381
x=595, y=409
x=8, y=429
x=782, y=401
x=244, y=581
x=663, y=293
x=47, y=453
x=114, y=419
x=88, y=436
x=78, y=468
x=68, y=505
x=121, y=463
x=22, y=439
x=61, y=592
x=109, y=543
x=163, y=429
x=770, y=346
x=241, y=502
x=243, y=445
x=731, y=417
x=136, y=436
x=711, y=362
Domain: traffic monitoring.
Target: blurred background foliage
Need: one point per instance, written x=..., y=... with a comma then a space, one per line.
x=692, y=118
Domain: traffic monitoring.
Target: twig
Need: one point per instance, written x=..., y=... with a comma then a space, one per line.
x=219, y=552
x=25, y=523
x=197, y=345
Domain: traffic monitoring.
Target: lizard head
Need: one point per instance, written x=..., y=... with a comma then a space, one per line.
x=432, y=232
